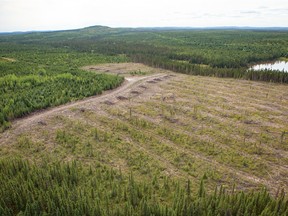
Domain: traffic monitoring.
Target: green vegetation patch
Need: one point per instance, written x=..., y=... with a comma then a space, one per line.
x=48, y=77
x=54, y=188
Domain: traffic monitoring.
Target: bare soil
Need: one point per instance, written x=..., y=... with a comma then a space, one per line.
x=7, y=59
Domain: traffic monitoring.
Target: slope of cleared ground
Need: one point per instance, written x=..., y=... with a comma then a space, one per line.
x=161, y=124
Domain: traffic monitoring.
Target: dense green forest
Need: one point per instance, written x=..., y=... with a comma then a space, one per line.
x=73, y=189
x=222, y=53
x=207, y=52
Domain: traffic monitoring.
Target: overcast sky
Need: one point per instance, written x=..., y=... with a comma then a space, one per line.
x=25, y=15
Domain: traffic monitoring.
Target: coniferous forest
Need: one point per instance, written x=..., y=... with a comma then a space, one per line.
x=73, y=189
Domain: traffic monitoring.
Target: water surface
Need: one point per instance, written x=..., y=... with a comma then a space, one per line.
x=278, y=65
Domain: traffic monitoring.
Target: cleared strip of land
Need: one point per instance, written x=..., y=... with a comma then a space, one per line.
x=164, y=124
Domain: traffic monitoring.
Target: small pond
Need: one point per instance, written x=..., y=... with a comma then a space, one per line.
x=278, y=65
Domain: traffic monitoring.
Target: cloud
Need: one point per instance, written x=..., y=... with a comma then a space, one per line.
x=279, y=10
x=250, y=12
x=64, y=14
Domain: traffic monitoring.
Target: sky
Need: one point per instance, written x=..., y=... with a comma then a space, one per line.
x=28, y=15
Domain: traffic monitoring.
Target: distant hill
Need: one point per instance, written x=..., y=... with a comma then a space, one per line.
x=218, y=51
x=98, y=29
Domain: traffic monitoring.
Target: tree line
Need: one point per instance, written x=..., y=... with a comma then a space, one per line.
x=207, y=53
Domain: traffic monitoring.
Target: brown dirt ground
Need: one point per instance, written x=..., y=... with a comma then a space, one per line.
x=7, y=59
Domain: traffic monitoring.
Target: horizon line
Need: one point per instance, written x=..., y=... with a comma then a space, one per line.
x=150, y=27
